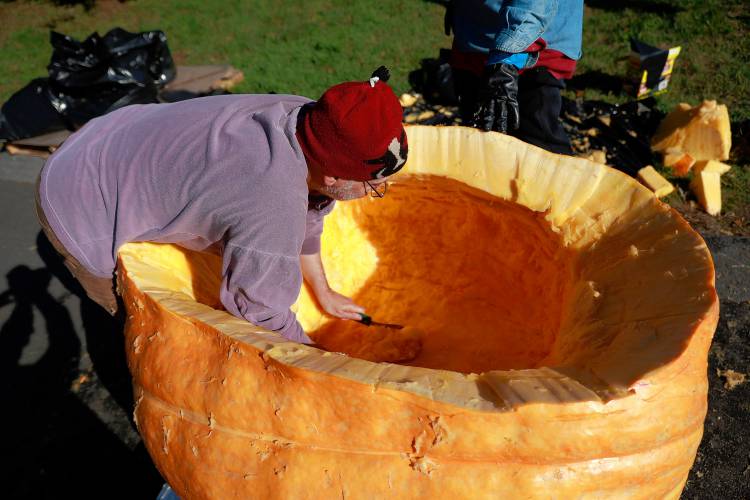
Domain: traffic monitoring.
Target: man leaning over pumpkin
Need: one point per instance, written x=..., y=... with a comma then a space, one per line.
x=248, y=176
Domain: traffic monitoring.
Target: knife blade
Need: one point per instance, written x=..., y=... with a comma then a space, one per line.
x=367, y=320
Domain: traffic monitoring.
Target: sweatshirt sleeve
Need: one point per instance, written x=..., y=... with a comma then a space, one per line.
x=261, y=287
x=314, y=228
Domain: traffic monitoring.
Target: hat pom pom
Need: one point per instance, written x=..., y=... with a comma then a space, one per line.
x=381, y=74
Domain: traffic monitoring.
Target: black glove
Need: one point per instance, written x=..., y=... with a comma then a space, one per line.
x=497, y=100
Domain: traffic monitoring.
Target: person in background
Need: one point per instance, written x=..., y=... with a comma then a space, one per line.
x=509, y=60
x=250, y=177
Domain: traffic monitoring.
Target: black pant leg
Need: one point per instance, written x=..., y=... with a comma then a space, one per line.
x=466, y=85
x=539, y=103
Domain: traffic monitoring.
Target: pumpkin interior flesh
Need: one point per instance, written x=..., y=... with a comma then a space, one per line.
x=483, y=279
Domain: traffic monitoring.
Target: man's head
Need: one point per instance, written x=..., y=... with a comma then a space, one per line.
x=353, y=139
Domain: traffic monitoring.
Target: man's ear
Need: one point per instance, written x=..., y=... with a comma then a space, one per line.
x=329, y=181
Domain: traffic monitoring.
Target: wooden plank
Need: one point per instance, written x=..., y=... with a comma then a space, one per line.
x=52, y=139
x=27, y=151
x=204, y=79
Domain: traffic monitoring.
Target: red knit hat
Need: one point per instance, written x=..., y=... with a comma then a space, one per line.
x=354, y=131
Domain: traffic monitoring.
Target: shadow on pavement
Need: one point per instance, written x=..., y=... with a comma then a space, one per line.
x=58, y=447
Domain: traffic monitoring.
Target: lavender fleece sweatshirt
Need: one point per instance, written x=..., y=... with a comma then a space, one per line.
x=220, y=170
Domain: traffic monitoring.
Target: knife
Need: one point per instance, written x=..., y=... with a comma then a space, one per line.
x=367, y=320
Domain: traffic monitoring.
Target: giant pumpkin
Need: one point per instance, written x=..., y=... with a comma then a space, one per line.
x=558, y=321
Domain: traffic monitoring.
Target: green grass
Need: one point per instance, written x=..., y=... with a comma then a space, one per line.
x=714, y=36
x=282, y=46
x=735, y=186
x=303, y=47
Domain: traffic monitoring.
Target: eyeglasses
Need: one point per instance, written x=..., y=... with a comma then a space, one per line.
x=378, y=190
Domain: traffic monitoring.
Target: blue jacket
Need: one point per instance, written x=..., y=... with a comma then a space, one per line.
x=513, y=25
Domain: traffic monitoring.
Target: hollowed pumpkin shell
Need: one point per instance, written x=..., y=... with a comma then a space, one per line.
x=565, y=317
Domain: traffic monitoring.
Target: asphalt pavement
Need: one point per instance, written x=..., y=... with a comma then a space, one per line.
x=67, y=406
x=67, y=431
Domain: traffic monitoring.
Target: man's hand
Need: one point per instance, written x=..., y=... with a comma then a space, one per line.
x=497, y=103
x=339, y=305
x=333, y=303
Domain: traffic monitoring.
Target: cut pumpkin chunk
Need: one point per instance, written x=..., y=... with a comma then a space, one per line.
x=408, y=100
x=712, y=166
x=653, y=180
x=706, y=184
x=681, y=163
x=702, y=131
x=598, y=156
x=707, y=188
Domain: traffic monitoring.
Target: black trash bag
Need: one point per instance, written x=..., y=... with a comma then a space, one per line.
x=88, y=79
x=434, y=80
x=29, y=113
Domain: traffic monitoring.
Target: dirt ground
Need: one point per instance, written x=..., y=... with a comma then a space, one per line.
x=722, y=466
